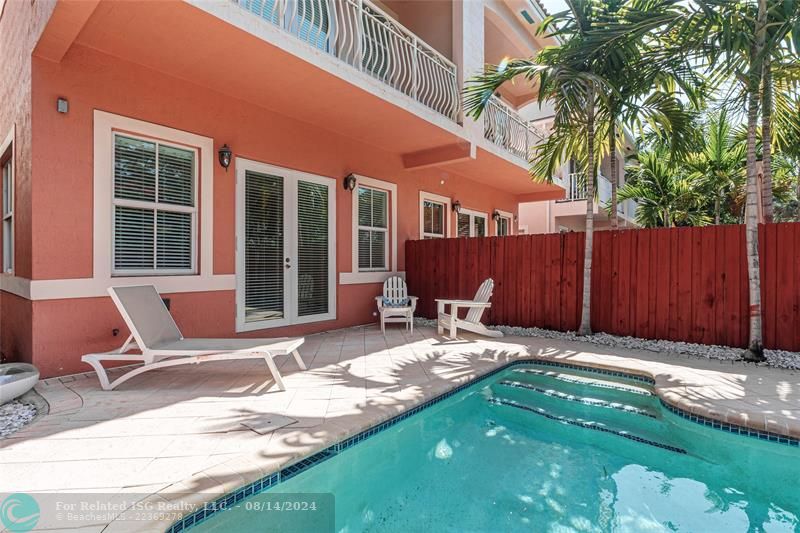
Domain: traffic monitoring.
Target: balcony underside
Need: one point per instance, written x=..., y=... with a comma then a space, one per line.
x=248, y=59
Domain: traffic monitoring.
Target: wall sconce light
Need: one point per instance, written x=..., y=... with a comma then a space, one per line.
x=225, y=156
x=456, y=206
x=516, y=218
x=496, y=215
x=349, y=182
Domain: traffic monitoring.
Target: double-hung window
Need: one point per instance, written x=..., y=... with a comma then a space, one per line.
x=373, y=229
x=433, y=219
x=471, y=223
x=8, y=212
x=154, y=207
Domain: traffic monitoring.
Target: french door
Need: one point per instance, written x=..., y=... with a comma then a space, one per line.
x=285, y=253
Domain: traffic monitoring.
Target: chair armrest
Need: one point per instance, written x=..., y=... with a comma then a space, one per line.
x=413, y=300
x=379, y=301
x=464, y=303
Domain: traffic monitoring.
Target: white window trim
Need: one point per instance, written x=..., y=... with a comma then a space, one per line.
x=359, y=227
x=448, y=208
x=105, y=124
x=354, y=276
x=475, y=214
x=510, y=217
x=9, y=142
x=156, y=206
x=242, y=166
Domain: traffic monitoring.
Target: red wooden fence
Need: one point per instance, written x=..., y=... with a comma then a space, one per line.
x=687, y=284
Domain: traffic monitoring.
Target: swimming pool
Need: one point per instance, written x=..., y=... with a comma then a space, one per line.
x=539, y=447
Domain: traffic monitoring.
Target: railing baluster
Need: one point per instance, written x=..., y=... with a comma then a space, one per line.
x=365, y=37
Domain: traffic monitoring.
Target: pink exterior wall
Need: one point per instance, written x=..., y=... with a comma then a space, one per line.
x=63, y=183
x=21, y=23
x=431, y=20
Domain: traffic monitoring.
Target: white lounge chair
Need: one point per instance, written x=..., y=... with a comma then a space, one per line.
x=396, y=305
x=155, y=334
x=472, y=322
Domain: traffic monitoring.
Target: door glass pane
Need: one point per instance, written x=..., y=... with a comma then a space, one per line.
x=312, y=249
x=264, y=256
x=463, y=225
x=480, y=227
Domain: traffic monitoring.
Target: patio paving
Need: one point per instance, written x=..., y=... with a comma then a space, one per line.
x=184, y=433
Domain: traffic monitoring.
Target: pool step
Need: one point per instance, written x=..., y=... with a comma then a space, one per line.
x=584, y=400
x=594, y=382
x=583, y=423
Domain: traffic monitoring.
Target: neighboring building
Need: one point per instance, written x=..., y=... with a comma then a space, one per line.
x=115, y=115
x=569, y=213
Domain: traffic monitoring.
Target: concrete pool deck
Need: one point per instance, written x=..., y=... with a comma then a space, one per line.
x=181, y=434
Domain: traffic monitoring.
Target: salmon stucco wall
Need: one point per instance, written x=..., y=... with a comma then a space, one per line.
x=63, y=194
x=21, y=24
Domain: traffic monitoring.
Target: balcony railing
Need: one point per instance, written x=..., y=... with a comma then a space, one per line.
x=504, y=127
x=362, y=35
x=576, y=190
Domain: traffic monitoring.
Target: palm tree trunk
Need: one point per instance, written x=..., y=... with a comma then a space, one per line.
x=766, y=141
x=586, y=317
x=612, y=158
x=755, y=350
x=716, y=209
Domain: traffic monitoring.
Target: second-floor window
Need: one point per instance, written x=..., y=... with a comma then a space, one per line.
x=154, y=207
x=373, y=229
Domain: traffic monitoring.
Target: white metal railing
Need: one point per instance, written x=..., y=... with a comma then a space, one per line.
x=365, y=37
x=576, y=188
x=504, y=127
x=575, y=185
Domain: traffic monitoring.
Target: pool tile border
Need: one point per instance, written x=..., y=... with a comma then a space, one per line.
x=227, y=501
x=732, y=428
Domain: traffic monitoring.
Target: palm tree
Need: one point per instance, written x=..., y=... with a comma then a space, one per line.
x=569, y=80
x=730, y=38
x=718, y=166
x=666, y=196
x=598, y=39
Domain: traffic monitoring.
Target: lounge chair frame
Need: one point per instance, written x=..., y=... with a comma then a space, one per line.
x=183, y=351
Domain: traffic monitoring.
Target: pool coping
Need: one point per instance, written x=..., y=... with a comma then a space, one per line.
x=293, y=467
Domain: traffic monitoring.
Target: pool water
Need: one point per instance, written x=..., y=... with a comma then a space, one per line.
x=537, y=448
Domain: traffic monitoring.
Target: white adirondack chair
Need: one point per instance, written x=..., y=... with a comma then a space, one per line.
x=472, y=322
x=395, y=305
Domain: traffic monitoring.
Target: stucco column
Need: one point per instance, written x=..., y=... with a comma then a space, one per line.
x=468, y=28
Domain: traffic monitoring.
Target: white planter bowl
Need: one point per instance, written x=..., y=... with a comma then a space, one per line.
x=16, y=379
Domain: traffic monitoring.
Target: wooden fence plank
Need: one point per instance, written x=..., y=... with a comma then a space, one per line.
x=685, y=284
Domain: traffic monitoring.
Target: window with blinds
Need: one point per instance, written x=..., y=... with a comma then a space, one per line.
x=433, y=225
x=264, y=247
x=464, y=225
x=373, y=231
x=154, y=207
x=312, y=249
x=7, y=213
x=470, y=224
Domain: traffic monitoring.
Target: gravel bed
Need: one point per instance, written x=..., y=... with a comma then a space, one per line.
x=14, y=415
x=775, y=358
